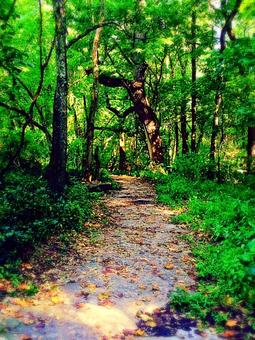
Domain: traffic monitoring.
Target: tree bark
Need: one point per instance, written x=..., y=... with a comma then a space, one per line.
x=184, y=133
x=176, y=130
x=193, y=81
x=215, y=127
x=123, y=158
x=88, y=161
x=147, y=116
x=57, y=174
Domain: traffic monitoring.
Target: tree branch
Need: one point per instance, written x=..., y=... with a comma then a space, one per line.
x=88, y=30
x=112, y=81
x=26, y=115
x=227, y=26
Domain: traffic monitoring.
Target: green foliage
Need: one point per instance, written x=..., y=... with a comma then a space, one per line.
x=30, y=213
x=192, y=166
x=225, y=255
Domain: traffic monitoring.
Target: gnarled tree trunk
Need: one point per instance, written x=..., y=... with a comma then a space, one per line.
x=147, y=116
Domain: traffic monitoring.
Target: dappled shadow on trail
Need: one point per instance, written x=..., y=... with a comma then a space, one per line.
x=118, y=284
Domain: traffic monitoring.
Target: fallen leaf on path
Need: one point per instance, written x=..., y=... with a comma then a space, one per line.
x=169, y=266
x=103, y=296
x=231, y=323
x=139, y=332
x=142, y=286
x=229, y=334
x=185, y=259
x=144, y=317
x=25, y=337
x=91, y=287
x=21, y=302
x=56, y=300
x=151, y=324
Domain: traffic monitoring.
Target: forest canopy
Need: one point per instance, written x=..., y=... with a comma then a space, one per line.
x=101, y=84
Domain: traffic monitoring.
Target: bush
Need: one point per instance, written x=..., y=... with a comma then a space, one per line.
x=191, y=166
x=30, y=213
x=225, y=256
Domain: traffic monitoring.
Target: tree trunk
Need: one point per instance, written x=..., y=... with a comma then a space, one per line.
x=176, y=129
x=146, y=115
x=251, y=150
x=215, y=127
x=184, y=133
x=57, y=174
x=193, y=80
x=123, y=158
x=97, y=163
x=144, y=111
x=88, y=161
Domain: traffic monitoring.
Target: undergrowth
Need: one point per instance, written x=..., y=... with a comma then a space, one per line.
x=30, y=214
x=224, y=214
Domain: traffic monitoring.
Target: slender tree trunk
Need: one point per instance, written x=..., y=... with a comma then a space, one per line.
x=251, y=150
x=97, y=163
x=184, y=133
x=77, y=128
x=215, y=127
x=193, y=80
x=123, y=158
x=176, y=129
x=93, y=109
x=57, y=174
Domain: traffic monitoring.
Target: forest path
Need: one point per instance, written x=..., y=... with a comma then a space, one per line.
x=120, y=281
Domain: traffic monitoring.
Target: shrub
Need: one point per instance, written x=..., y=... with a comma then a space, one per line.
x=225, y=256
x=191, y=166
x=30, y=213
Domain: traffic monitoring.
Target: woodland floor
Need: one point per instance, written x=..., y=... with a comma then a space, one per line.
x=113, y=285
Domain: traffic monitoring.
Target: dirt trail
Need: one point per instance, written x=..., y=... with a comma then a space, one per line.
x=116, y=286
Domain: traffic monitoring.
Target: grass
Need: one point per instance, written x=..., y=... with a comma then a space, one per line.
x=224, y=214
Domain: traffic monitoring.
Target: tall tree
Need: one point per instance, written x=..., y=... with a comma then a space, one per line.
x=193, y=81
x=57, y=173
x=228, y=19
x=88, y=159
